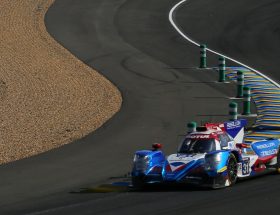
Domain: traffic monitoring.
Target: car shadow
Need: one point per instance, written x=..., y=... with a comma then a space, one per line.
x=123, y=184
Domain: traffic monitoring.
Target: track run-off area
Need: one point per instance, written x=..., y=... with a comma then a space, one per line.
x=133, y=44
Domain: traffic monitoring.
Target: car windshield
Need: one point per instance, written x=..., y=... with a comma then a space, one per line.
x=197, y=146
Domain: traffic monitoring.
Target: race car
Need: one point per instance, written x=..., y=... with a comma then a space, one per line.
x=213, y=155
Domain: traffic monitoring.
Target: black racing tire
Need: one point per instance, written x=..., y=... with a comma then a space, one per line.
x=278, y=162
x=232, y=169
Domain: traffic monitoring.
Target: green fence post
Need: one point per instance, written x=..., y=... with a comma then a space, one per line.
x=191, y=127
x=232, y=111
x=203, y=56
x=240, y=84
x=247, y=101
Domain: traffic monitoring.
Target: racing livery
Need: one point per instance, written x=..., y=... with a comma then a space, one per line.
x=214, y=155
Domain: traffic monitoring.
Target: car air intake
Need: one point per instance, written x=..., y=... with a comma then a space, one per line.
x=201, y=128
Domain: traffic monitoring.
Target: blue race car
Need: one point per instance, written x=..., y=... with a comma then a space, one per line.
x=214, y=155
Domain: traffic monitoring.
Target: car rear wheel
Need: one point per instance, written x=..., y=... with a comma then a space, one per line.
x=232, y=170
x=278, y=162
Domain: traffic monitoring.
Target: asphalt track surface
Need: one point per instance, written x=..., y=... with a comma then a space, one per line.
x=132, y=43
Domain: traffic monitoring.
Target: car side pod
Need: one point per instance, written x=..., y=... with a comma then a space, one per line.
x=221, y=167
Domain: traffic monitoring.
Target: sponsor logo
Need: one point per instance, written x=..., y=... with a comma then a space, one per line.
x=200, y=136
x=269, y=152
x=234, y=124
x=266, y=149
x=265, y=146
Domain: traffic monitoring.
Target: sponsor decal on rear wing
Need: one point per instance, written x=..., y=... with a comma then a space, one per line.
x=236, y=129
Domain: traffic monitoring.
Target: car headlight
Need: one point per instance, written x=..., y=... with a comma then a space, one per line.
x=141, y=163
x=217, y=158
x=211, y=161
x=137, y=157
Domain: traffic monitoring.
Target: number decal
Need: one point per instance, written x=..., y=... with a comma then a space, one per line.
x=246, y=166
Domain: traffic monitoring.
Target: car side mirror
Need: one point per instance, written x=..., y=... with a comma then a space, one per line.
x=242, y=145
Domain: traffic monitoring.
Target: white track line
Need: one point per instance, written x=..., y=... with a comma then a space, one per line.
x=171, y=16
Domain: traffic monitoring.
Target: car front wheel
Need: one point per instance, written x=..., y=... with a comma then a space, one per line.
x=232, y=170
